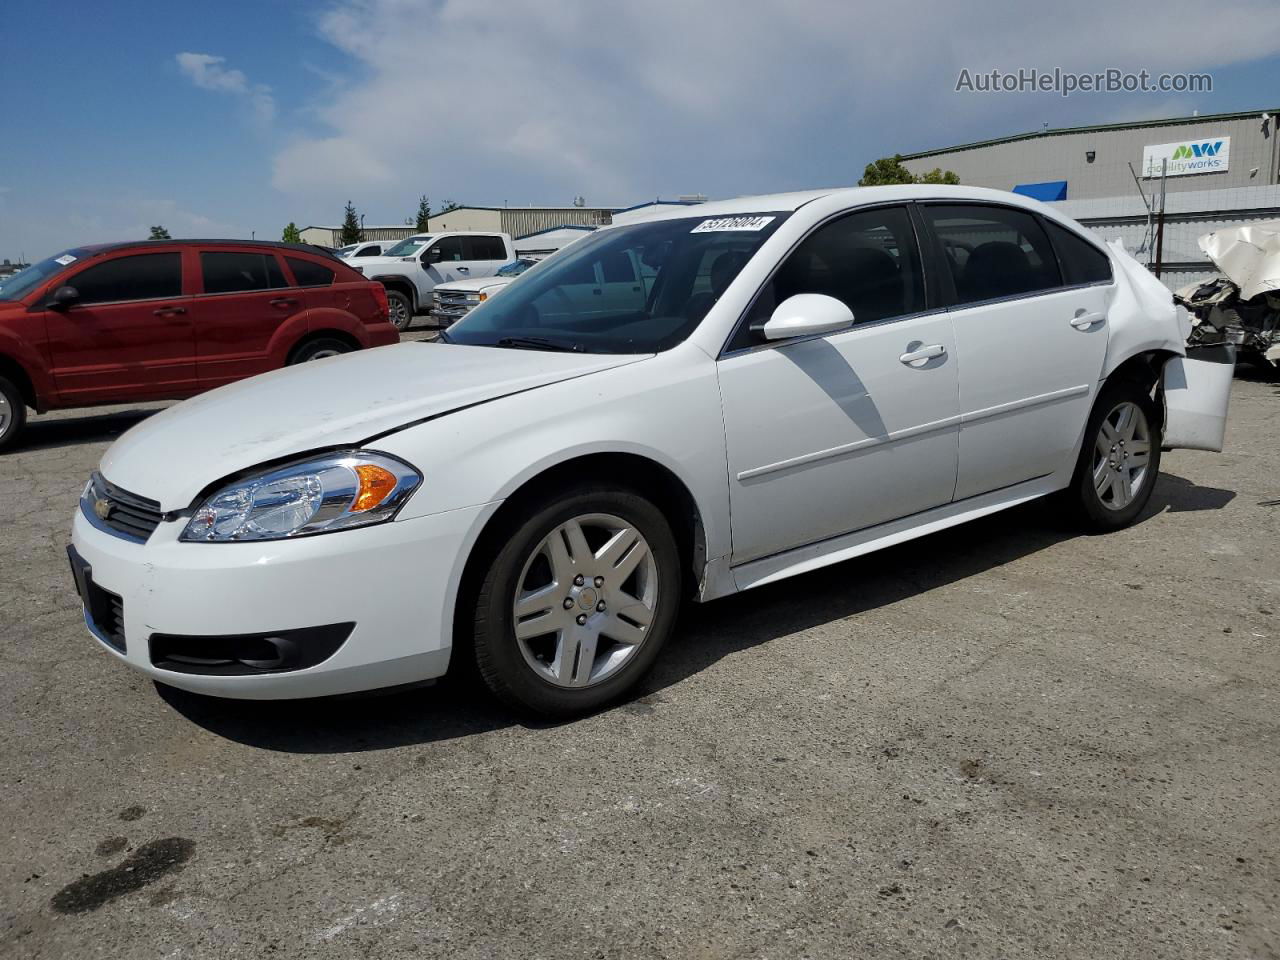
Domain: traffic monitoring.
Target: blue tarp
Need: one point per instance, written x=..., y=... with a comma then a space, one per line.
x=1049, y=190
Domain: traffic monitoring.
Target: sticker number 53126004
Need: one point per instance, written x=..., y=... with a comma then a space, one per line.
x=722, y=224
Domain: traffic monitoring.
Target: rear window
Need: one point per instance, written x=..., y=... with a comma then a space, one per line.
x=309, y=274
x=240, y=272
x=1081, y=261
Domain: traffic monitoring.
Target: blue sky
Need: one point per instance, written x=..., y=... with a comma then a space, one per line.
x=237, y=117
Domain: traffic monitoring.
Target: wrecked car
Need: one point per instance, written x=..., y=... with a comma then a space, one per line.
x=1241, y=306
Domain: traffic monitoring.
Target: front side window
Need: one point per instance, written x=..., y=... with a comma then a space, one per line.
x=1081, y=261
x=147, y=276
x=373, y=251
x=309, y=274
x=868, y=260
x=686, y=264
x=993, y=252
x=240, y=272
x=445, y=250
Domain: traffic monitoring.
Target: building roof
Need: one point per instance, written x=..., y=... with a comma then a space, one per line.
x=563, y=226
x=1097, y=128
x=367, y=226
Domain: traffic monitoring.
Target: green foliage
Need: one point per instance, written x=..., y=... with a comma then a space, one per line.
x=159, y=233
x=424, y=214
x=351, y=232
x=449, y=207
x=890, y=170
x=291, y=233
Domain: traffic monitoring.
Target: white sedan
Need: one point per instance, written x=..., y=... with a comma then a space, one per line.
x=790, y=381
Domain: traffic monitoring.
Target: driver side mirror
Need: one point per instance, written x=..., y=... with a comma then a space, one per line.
x=807, y=314
x=63, y=297
x=434, y=255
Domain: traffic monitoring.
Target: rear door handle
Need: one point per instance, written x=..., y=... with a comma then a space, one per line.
x=1084, y=320
x=169, y=311
x=923, y=353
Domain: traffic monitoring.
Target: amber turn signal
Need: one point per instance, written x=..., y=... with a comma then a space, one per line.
x=376, y=485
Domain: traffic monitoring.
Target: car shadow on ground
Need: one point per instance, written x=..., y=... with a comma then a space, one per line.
x=42, y=434
x=459, y=707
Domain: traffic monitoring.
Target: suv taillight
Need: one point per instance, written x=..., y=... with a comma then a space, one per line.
x=380, y=299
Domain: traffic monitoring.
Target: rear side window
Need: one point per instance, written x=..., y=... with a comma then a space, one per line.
x=484, y=248
x=993, y=252
x=240, y=272
x=309, y=274
x=148, y=276
x=1081, y=261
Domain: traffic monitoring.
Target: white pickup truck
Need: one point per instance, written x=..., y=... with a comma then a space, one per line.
x=411, y=269
x=452, y=301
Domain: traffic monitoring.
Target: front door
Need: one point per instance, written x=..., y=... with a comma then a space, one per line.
x=836, y=433
x=128, y=336
x=1031, y=343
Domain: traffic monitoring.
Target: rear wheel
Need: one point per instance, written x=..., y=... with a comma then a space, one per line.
x=577, y=602
x=13, y=412
x=1120, y=458
x=319, y=349
x=400, y=308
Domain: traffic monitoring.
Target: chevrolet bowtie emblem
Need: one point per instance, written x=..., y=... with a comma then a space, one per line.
x=102, y=508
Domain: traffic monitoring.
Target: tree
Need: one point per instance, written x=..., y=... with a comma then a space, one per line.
x=449, y=207
x=890, y=170
x=579, y=201
x=159, y=233
x=291, y=233
x=424, y=213
x=351, y=232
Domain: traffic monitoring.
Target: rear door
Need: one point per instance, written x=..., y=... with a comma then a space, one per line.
x=244, y=298
x=129, y=336
x=1031, y=344
x=482, y=255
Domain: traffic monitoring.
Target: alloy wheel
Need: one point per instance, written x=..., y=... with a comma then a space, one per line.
x=584, y=600
x=1121, y=455
x=6, y=414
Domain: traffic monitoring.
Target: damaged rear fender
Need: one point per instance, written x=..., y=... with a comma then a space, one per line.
x=1141, y=316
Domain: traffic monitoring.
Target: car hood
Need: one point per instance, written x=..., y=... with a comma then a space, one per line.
x=172, y=456
x=475, y=283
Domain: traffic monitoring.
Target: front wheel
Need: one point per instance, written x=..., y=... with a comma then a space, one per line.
x=400, y=308
x=577, y=602
x=13, y=412
x=1120, y=458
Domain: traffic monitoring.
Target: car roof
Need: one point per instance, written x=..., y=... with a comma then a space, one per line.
x=788, y=202
x=278, y=244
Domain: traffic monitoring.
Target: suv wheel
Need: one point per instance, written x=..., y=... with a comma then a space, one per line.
x=400, y=308
x=578, y=601
x=13, y=412
x=1120, y=458
x=319, y=349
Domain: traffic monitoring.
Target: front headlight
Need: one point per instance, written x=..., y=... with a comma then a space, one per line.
x=334, y=492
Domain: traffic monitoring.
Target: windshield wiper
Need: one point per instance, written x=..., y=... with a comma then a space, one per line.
x=540, y=343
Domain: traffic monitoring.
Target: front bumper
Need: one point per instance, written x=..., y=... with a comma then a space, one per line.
x=395, y=582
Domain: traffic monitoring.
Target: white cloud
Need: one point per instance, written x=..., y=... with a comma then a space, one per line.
x=208, y=73
x=544, y=100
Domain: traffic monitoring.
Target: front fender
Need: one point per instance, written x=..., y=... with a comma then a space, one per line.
x=30, y=357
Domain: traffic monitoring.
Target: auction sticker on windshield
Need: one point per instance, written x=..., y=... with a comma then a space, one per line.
x=65, y=259
x=733, y=223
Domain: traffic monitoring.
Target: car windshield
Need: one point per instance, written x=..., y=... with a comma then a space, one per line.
x=514, y=268
x=349, y=248
x=407, y=247
x=641, y=288
x=24, y=281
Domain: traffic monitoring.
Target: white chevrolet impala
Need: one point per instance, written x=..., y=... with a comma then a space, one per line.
x=684, y=407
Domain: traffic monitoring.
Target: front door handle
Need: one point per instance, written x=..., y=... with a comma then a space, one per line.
x=169, y=311
x=923, y=353
x=464, y=269
x=1083, y=320
x=283, y=302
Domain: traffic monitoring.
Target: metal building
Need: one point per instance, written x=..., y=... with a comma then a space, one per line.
x=520, y=221
x=332, y=236
x=1220, y=170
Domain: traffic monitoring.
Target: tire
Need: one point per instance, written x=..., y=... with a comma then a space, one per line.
x=1107, y=491
x=400, y=308
x=319, y=349
x=13, y=413
x=595, y=651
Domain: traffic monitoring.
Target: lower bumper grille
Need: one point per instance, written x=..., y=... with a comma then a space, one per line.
x=103, y=610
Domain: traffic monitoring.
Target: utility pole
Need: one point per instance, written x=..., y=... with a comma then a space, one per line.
x=1164, y=173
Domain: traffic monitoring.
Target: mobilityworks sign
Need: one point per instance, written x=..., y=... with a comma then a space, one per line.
x=1191, y=156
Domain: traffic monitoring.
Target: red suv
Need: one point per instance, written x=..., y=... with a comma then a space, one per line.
x=166, y=319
